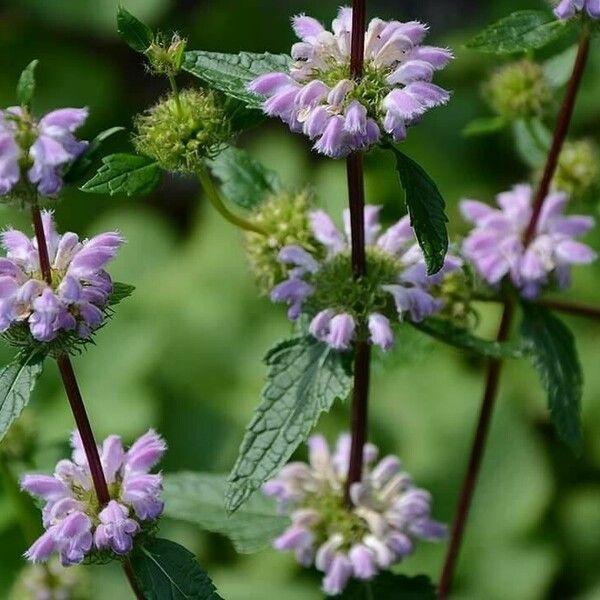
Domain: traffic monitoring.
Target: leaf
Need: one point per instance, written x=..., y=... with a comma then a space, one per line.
x=17, y=380
x=388, y=586
x=533, y=141
x=304, y=379
x=26, y=84
x=484, y=126
x=137, y=35
x=199, y=498
x=231, y=73
x=120, y=291
x=82, y=165
x=554, y=355
x=128, y=174
x=244, y=180
x=558, y=69
x=449, y=333
x=426, y=209
x=241, y=117
x=523, y=30
x=165, y=570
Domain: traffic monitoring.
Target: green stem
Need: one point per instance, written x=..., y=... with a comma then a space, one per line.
x=213, y=196
x=175, y=92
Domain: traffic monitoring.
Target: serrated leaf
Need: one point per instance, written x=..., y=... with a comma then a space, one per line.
x=521, y=31
x=120, y=291
x=554, y=355
x=244, y=180
x=231, y=73
x=199, y=498
x=136, y=34
x=304, y=379
x=241, y=117
x=558, y=69
x=17, y=380
x=533, y=141
x=449, y=333
x=388, y=586
x=165, y=570
x=484, y=126
x=26, y=84
x=128, y=174
x=82, y=165
x=426, y=209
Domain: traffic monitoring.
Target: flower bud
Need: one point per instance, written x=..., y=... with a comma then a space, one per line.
x=518, y=90
x=578, y=171
x=165, y=57
x=181, y=130
x=285, y=219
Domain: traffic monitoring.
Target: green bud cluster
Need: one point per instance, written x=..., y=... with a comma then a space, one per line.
x=166, y=57
x=183, y=129
x=519, y=90
x=284, y=217
x=578, y=171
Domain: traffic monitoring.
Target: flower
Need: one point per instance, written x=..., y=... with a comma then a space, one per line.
x=388, y=513
x=45, y=147
x=80, y=286
x=342, y=308
x=76, y=525
x=496, y=245
x=318, y=96
x=569, y=8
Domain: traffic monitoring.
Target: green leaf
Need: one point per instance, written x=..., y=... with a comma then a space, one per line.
x=523, y=30
x=426, y=209
x=533, y=141
x=241, y=117
x=17, y=380
x=304, y=379
x=128, y=174
x=388, y=586
x=449, y=333
x=231, y=73
x=244, y=180
x=137, y=35
x=558, y=69
x=84, y=163
x=120, y=291
x=199, y=498
x=167, y=571
x=484, y=126
x=554, y=355
x=26, y=84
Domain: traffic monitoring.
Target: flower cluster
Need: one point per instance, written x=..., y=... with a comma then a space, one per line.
x=496, y=245
x=50, y=581
x=343, y=308
x=567, y=9
x=319, y=97
x=42, y=148
x=387, y=513
x=80, y=287
x=75, y=523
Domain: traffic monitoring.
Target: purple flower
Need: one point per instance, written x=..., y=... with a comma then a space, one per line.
x=75, y=525
x=402, y=277
x=318, y=97
x=53, y=147
x=496, y=244
x=386, y=517
x=80, y=285
x=567, y=9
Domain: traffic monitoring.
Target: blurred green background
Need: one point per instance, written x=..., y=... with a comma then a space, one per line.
x=184, y=354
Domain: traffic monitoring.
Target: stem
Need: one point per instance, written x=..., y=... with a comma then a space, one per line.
x=495, y=366
x=129, y=573
x=40, y=236
x=175, y=90
x=214, y=198
x=573, y=308
x=356, y=199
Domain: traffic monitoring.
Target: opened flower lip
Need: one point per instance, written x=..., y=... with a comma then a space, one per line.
x=318, y=97
x=496, y=245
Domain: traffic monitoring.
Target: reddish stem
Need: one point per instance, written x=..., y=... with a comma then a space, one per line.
x=573, y=308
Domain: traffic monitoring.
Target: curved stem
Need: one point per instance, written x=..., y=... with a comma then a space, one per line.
x=356, y=199
x=175, y=90
x=495, y=366
x=213, y=196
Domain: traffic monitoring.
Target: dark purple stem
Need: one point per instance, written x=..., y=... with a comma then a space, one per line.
x=495, y=366
x=573, y=308
x=356, y=198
